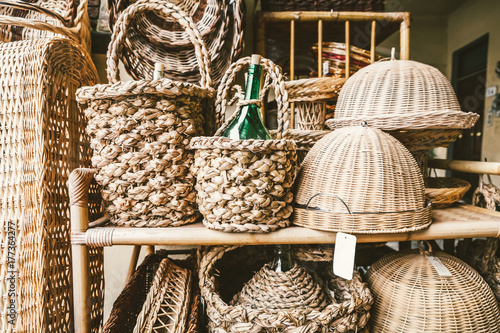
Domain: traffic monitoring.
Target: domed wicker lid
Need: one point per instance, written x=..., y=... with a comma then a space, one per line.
x=397, y=95
x=411, y=296
x=368, y=171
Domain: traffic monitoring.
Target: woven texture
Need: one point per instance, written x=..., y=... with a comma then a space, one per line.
x=326, y=5
x=410, y=296
x=360, y=180
x=279, y=302
x=147, y=36
x=245, y=185
x=140, y=130
x=43, y=140
x=444, y=192
x=46, y=18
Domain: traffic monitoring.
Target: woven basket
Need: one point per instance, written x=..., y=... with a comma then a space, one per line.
x=403, y=95
x=139, y=133
x=245, y=185
x=43, y=140
x=132, y=306
x=444, y=192
x=141, y=47
x=324, y=5
x=410, y=296
x=360, y=180
x=347, y=312
x=45, y=18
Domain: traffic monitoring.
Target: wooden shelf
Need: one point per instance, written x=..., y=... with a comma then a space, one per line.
x=463, y=221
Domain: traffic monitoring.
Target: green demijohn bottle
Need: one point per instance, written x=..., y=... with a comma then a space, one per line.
x=159, y=73
x=248, y=123
x=282, y=258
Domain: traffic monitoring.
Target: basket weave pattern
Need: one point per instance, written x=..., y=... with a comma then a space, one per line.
x=346, y=313
x=444, y=192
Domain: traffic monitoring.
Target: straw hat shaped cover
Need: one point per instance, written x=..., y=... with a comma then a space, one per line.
x=400, y=95
x=360, y=180
x=412, y=296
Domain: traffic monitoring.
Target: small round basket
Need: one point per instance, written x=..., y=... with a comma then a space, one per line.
x=139, y=133
x=315, y=309
x=360, y=180
x=411, y=296
x=246, y=185
x=444, y=192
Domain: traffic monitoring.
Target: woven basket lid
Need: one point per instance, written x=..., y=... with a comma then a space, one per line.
x=368, y=171
x=411, y=296
x=398, y=95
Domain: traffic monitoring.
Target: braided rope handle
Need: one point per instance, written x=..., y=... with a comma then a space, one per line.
x=75, y=33
x=273, y=78
x=162, y=9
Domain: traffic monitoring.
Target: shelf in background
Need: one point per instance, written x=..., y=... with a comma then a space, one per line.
x=462, y=221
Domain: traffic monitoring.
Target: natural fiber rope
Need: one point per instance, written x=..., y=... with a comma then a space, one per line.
x=78, y=185
x=99, y=237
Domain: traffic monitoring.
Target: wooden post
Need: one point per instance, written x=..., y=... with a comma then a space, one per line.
x=372, y=41
x=404, y=53
x=292, y=69
x=260, y=37
x=347, y=49
x=320, y=48
x=133, y=262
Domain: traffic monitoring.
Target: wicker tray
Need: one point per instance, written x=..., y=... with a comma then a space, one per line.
x=444, y=192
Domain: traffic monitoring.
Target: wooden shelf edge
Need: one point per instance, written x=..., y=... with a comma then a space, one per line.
x=464, y=221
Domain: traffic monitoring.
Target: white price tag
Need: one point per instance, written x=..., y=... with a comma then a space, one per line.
x=438, y=266
x=343, y=257
x=326, y=67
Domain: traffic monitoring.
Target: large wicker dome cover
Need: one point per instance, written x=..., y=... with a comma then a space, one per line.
x=410, y=296
x=400, y=94
x=372, y=173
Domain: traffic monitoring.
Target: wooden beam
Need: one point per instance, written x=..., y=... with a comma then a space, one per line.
x=491, y=168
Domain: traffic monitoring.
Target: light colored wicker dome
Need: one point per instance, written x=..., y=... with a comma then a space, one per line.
x=372, y=173
x=400, y=94
x=410, y=296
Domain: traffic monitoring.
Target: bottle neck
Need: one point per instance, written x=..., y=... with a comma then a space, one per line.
x=282, y=258
x=252, y=86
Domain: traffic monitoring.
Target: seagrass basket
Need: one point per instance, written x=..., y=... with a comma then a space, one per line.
x=45, y=18
x=444, y=192
x=222, y=275
x=143, y=43
x=245, y=185
x=411, y=296
x=413, y=101
x=43, y=140
x=139, y=131
x=360, y=180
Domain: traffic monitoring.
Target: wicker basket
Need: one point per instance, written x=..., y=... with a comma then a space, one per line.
x=43, y=141
x=325, y=5
x=360, y=180
x=410, y=295
x=139, y=133
x=145, y=293
x=140, y=50
x=346, y=312
x=414, y=101
x=45, y=18
x=444, y=192
x=245, y=185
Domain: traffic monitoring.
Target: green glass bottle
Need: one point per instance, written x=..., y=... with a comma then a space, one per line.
x=282, y=258
x=248, y=122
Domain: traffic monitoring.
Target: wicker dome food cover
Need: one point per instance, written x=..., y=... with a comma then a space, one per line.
x=368, y=171
x=410, y=296
x=398, y=95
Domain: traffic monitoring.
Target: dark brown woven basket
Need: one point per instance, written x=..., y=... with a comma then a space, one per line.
x=335, y=5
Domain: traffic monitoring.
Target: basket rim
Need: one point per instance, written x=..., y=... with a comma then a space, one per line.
x=253, y=145
x=446, y=119
x=151, y=87
x=314, y=89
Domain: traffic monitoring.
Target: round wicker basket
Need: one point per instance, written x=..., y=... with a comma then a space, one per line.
x=360, y=180
x=411, y=296
x=444, y=192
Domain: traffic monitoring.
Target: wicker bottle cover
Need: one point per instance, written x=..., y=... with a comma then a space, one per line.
x=245, y=185
x=140, y=130
x=414, y=293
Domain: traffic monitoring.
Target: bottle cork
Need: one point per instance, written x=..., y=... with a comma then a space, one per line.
x=255, y=59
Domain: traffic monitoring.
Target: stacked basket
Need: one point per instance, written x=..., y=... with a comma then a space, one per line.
x=412, y=101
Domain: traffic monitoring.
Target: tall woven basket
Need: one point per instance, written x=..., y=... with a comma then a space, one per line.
x=139, y=131
x=245, y=185
x=237, y=306
x=43, y=141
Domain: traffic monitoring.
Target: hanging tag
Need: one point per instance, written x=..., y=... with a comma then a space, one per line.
x=343, y=257
x=326, y=67
x=438, y=266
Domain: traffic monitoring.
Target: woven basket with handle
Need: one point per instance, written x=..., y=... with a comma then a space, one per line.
x=245, y=185
x=140, y=130
x=43, y=141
